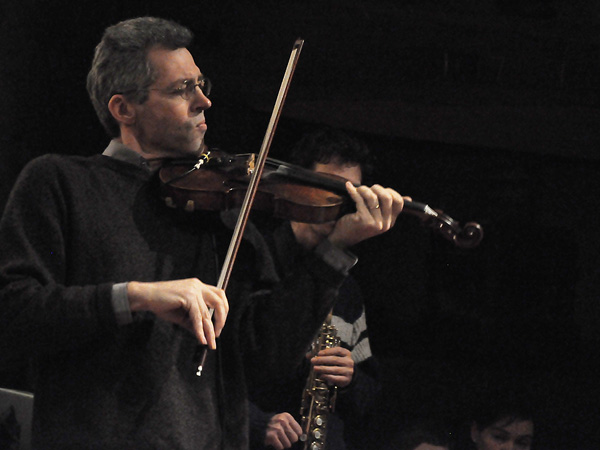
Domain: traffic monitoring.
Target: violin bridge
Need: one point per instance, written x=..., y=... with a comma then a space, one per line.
x=251, y=164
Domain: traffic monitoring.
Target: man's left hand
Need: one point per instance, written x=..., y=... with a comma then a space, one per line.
x=377, y=209
x=334, y=365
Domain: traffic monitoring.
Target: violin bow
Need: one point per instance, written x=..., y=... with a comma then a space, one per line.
x=242, y=219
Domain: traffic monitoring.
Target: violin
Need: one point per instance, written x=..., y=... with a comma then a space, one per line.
x=218, y=181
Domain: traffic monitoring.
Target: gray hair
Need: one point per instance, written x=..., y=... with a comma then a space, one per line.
x=121, y=65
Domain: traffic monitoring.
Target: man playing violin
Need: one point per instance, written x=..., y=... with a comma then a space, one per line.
x=109, y=290
x=274, y=420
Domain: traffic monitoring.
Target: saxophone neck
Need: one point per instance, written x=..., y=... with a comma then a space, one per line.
x=329, y=317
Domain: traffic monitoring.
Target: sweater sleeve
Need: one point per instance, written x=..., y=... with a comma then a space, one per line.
x=259, y=420
x=38, y=312
x=357, y=400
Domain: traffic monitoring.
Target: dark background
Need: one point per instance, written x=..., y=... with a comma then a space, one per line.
x=486, y=109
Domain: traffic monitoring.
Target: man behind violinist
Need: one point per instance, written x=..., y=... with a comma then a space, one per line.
x=108, y=290
x=274, y=418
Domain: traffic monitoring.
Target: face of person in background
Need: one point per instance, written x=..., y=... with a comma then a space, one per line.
x=504, y=434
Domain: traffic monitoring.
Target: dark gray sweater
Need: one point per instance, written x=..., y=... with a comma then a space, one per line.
x=72, y=228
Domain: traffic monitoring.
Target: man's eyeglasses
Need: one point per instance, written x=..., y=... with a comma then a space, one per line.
x=185, y=91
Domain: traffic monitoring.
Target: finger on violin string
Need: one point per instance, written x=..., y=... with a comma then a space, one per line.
x=374, y=203
x=385, y=196
x=385, y=201
x=397, y=205
x=355, y=196
x=392, y=202
x=364, y=198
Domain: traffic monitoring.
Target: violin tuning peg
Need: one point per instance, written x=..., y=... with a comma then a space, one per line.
x=169, y=202
x=189, y=206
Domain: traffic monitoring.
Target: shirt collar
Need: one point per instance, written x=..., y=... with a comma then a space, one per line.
x=121, y=152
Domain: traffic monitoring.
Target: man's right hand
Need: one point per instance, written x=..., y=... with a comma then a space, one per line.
x=183, y=302
x=282, y=431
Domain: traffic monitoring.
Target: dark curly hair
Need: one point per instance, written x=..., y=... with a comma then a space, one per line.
x=329, y=144
x=510, y=405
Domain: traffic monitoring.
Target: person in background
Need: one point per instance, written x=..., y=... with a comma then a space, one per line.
x=503, y=422
x=424, y=440
x=420, y=434
x=511, y=430
x=425, y=435
x=274, y=418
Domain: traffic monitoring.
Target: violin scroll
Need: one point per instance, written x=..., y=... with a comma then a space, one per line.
x=468, y=236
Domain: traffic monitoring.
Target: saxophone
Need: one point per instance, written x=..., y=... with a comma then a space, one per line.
x=318, y=398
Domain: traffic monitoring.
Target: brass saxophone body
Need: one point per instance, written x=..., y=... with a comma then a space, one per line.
x=318, y=398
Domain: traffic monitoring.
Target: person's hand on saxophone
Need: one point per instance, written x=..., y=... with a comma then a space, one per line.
x=334, y=365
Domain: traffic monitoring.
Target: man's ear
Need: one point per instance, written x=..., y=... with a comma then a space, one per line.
x=121, y=109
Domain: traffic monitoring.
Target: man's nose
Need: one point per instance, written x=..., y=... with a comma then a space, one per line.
x=199, y=100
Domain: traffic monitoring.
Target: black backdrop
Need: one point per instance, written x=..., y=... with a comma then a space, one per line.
x=472, y=108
